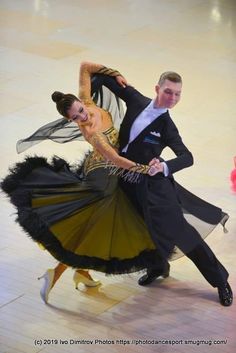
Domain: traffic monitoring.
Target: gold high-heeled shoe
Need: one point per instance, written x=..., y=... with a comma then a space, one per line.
x=48, y=276
x=78, y=277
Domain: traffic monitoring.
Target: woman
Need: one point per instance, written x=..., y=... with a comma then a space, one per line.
x=83, y=219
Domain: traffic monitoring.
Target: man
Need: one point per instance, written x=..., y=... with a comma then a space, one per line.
x=146, y=130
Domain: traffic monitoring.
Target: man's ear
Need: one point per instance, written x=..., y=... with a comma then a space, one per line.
x=157, y=88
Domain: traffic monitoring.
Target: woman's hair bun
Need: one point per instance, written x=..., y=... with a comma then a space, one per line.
x=57, y=96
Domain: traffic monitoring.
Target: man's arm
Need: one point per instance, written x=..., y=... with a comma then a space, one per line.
x=174, y=141
x=125, y=93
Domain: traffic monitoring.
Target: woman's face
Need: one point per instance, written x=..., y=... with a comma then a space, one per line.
x=78, y=112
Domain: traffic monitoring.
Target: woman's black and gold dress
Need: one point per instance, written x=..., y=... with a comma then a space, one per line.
x=79, y=214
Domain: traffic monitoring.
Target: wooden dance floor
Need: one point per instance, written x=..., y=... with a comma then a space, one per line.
x=42, y=43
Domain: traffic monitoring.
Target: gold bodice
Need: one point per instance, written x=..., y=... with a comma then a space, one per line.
x=95, y=159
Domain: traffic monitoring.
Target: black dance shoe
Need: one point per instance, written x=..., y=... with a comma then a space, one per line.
x=225, y=295
x=151, y=275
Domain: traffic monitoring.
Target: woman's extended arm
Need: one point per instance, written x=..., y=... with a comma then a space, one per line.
x=98, y=141
x=86, y=70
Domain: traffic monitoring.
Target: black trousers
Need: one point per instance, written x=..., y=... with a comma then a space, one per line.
x=156, y=200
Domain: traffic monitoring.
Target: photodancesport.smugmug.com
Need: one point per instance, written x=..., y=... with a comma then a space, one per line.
x=124, y=342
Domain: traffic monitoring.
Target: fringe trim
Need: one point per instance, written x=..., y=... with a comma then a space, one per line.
x=130, y=176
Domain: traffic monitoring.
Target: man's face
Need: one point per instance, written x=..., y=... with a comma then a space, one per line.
x=168, y=94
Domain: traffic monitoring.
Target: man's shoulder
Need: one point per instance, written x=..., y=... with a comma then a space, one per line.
x=167, y=120
x=134, y=94
x=165, y=117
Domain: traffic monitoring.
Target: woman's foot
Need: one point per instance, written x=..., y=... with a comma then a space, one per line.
x=50, y=277
x=49, y=281
x=85, y=278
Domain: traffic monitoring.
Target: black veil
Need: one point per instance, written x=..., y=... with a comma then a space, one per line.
x=62, y=130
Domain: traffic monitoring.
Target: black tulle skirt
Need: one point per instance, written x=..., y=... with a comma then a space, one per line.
x=88, y=221
x=84, y=222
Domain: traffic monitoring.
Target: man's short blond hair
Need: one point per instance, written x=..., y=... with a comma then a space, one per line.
x=171, y=76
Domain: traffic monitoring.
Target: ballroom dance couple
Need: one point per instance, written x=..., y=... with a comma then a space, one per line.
x=120, y=210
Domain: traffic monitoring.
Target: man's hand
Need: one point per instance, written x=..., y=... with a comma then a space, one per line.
x=121, y=81
x=155, y=167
